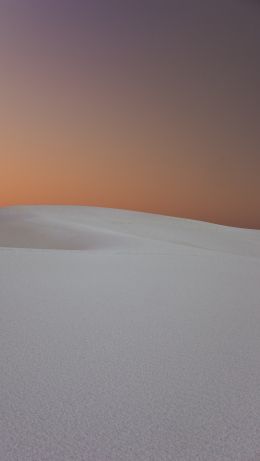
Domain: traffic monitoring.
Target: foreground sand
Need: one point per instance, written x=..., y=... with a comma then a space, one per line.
x=127, y=337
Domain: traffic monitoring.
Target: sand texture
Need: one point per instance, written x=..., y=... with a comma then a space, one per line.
x=127, y=336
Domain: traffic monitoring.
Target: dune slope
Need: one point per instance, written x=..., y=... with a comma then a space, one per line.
x=127, y=336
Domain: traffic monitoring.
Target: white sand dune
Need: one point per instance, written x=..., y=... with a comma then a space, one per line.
x=127, y=337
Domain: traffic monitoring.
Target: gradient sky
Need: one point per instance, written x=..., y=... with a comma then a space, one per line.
x=151, y=105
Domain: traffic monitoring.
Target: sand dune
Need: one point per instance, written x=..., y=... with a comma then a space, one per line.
x=127, y=337
x=89, y=228
x=46, y=230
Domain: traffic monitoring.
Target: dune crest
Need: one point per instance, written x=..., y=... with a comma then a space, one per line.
x=90, y=228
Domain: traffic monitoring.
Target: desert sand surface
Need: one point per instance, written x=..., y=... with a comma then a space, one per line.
x=127, y=336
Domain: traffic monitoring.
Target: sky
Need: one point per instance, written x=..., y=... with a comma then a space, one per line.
x=150, y=105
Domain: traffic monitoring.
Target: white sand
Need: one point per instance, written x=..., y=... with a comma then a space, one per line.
x=127, y=337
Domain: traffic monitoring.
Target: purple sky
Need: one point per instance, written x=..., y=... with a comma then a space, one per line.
x=148, y=105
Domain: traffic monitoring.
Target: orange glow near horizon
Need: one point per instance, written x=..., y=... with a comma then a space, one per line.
x=148, y=116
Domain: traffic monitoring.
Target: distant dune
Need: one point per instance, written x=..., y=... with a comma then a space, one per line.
x=127, y=336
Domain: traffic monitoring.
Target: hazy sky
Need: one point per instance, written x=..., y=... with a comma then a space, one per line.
x=151, y=105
